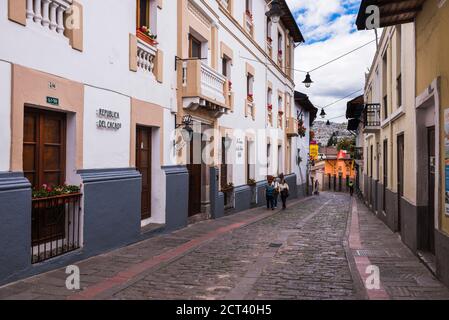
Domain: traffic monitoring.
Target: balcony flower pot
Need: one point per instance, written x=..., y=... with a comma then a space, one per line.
x=281, y=113
x=270, y=107
x=250, y=97
x=251, y=182
x=230, y=85
x=228, y=188
x=47, y=191
x=269, y=40
x=144, y=34
x=302, y=131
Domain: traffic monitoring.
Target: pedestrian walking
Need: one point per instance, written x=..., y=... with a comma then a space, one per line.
x=351, y=188
x=285, y=193
x=269, y=193
x=276, y=182
x=317, y=188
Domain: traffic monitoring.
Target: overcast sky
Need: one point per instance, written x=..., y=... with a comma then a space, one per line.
x=329, y=29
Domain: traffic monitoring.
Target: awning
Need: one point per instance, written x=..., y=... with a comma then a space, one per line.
x=354, y=108
x=353, y=124
x=392, y=12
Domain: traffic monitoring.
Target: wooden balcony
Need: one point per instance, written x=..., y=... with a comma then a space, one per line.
x=292, y=127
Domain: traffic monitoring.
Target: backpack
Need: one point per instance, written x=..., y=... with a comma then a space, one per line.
x=270, y=190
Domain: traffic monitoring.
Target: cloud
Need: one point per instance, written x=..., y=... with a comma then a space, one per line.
x=329, y=29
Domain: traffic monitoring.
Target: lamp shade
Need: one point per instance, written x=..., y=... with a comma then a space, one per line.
x=308, y=81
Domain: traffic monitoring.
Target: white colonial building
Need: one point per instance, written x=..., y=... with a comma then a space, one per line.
x=93, y=99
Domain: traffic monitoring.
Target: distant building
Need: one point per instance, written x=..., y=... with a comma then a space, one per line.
x=333, y=170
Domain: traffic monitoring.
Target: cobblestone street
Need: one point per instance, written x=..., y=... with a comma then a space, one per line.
x=318, y=248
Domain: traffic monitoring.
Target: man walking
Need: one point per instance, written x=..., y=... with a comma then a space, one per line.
x=351, y=188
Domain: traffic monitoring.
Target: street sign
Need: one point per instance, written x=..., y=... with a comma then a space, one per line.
x=314, y=151
x=53, y=101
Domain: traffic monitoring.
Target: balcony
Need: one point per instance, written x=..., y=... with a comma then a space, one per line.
x=292, y=127
x=372, y=118
x=204, y=88
x=248, y=22
x=250, y=108
x=146, y=53
x=55, y=227
x=48, y=13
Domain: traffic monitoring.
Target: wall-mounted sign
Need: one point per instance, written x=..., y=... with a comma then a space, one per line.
x=108, y=119
x=53, y=101
x=239, y=147
x=314, y=151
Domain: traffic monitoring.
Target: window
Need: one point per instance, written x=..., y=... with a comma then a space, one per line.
x=280, y=44
x=146, y=17
x=143, y=13
x=280, y=112
x=226, y=67
x=269, y=107
x=399, y=65
x=269, y=24
x=385, y=103
x=384, y=85
x=249, y=84
x=248, y=6
x=194, y=47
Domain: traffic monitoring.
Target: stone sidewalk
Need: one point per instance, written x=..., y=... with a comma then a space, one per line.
x=402, y=275
x=319, y=248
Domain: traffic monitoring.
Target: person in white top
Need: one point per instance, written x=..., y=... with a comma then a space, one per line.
x=284, y=190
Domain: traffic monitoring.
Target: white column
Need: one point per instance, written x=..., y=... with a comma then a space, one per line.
x=30, y=10
x=37, y=11
x=60, y=19
x=53, y=21
x=45, y=13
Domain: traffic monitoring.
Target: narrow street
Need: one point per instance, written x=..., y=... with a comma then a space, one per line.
x=318, y=248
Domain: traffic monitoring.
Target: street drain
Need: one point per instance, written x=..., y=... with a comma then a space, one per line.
x=275, y=245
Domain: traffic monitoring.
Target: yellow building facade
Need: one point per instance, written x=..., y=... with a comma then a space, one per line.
x=405, y=116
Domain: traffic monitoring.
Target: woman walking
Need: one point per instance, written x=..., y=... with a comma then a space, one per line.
x=284, y=190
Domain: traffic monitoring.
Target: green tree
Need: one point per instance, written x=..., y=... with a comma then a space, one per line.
x=347, y=144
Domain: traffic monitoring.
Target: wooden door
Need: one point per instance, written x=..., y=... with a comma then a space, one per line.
x=194, y=168
x=44, y=156
x=143, y=164
x=400, y=166
x=431, y=191
x=224, y=165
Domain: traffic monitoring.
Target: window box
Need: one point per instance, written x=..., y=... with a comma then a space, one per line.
x=146, y=38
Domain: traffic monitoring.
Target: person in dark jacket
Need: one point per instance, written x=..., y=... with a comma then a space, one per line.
x=269, y=193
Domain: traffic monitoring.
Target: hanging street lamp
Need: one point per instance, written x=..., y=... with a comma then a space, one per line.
x=308, y=81
x=275, y=11
x=323, y=113
x=328, y=123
